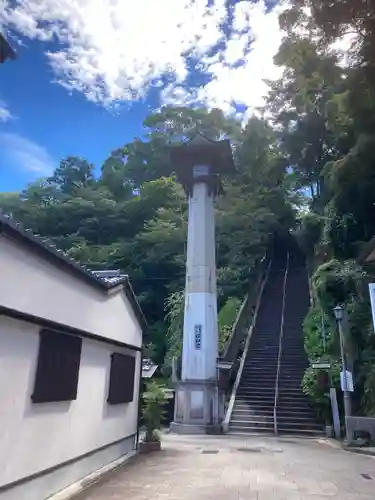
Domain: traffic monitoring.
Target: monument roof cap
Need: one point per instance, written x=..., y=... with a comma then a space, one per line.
x=201, y=150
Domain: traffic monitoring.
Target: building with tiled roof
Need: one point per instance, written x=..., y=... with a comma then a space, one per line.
x=6, y=51
x=70, y=371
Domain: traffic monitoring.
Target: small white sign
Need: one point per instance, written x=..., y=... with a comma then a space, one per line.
x=321, y=366
x=201, y=170
x=349, y=381
x=372, y=300
x=198, y=336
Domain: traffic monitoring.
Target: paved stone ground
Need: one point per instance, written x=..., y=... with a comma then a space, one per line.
x=251, y=468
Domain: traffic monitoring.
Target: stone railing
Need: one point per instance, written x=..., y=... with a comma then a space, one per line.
x=234, y=346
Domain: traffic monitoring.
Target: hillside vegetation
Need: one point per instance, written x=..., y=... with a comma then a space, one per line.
x=313, y=154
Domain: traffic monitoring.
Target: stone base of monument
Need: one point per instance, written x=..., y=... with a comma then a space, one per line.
x=149, y=446
x=211, y=429
x=196, y=408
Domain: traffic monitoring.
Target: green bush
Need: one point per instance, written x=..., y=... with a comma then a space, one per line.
x=336, y=282
x=368, y=399
x=226, y=318
x=320, y=333
x=320, y=395
x=174, y=308
x=153, y=410
x=309, y=232
x=346, y=283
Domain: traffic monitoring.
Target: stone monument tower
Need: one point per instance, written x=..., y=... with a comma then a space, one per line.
x=199, y=164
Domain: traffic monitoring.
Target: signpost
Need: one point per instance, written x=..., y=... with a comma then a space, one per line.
x=346, y=383
x=371, y=288
x=321, y=366
x=335, y=412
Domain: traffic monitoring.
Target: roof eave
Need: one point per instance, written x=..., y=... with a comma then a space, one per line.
x=6, y=51
x=37, y=244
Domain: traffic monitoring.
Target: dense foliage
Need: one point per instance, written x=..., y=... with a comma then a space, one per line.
x=323, y=109
x=133, y=215
x=154, y=399
x=314, y=150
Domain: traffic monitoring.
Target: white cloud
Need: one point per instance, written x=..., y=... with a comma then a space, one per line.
x=23, y=154
x=5, y=114
x=116, y=50
x=239, y=75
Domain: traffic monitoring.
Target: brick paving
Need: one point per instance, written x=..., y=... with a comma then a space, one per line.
x=232, y=468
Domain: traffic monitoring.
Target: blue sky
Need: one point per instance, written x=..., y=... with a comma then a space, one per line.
x=89, y=72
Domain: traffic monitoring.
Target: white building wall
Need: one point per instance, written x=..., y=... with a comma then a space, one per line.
x=36, y=287
x=35, y=437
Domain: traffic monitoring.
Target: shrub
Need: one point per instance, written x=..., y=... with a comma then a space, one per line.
x=226, y=319
x=319, y=395
x=153, y=410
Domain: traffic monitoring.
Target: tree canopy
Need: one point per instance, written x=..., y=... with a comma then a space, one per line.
x=304, y=163
x=132, y=215
x=323, y=110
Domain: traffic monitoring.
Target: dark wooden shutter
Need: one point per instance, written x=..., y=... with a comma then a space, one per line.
x=58, y=367
x=121, y=383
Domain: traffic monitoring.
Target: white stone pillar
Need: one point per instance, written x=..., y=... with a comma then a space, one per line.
x=200, y=334
x=196, y=403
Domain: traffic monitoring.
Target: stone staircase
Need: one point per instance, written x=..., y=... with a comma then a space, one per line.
x=254, y=404
x=293, y=411
x=253, y=410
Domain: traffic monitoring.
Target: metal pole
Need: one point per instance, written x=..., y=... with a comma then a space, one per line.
x=347, y=403
x=323, y=332
x=217, y=396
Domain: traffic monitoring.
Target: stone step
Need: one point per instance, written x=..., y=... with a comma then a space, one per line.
x=252, y=387
x=267, y=374
x=308, y=425
x=289, y=390
x=284, y=395
x=249, y=412
x=268, y=371
x=256, y=396
x=256, y=389
x=297, y=418
x=263, y=361
x=295, y=406
x=291, y=380
x=301, y=432
x=258, y=383
x=252, y=424
x=240, y=418
x=246, y=431
x=255, y=378
x=263, y=400
x=261, y=405
x=255, y=407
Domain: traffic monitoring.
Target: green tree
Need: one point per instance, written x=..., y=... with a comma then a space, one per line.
x=72, y=173
x=133, y=216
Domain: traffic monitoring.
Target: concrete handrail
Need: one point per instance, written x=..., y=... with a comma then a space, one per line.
x=280, y=346
x=230, y=350
x=228, y=413
x=235, y=326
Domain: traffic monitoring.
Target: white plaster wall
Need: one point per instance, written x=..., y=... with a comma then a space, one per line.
x=44, y=486
x=34, y=437
x=36, y=287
